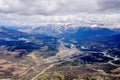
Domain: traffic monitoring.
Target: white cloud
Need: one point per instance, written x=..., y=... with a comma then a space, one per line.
x=61, y=7
x=36, y=12
x=37, y=20
x=47, y=7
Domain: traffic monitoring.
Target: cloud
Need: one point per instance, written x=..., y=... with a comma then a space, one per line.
x=47, y=7
x=58, y=7
x=109, y=5
x=36, y=12
x=38, y=20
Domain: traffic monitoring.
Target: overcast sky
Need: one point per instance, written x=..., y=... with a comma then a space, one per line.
x=19, y=12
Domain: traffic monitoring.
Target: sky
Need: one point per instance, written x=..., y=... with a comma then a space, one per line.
x=36, y=12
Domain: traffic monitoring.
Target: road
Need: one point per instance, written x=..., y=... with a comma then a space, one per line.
x=27, y=71
x=42, y=72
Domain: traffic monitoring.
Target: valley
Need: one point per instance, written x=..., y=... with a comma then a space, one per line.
x=26, y=56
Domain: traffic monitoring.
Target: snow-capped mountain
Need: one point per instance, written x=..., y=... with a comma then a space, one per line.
x=72, y=31
x=55, y=29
